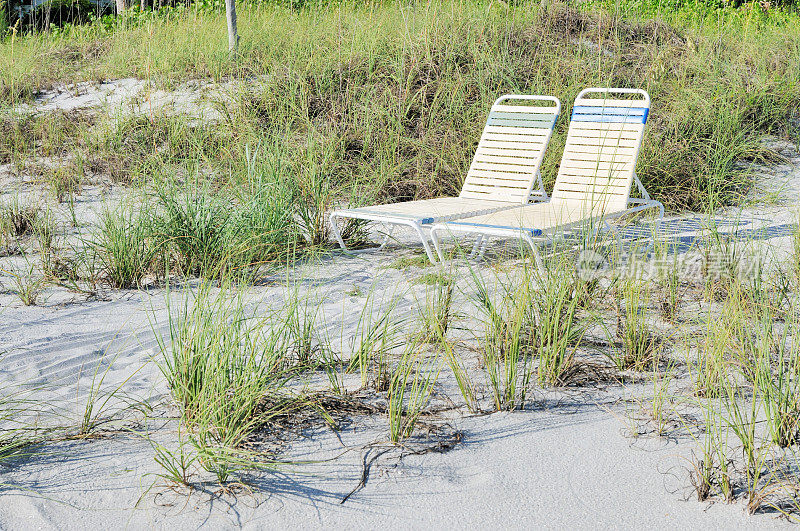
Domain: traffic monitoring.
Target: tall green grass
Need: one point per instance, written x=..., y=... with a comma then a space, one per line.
x=124, y=247
x=411, y=384
x=534, y=326
x=226, y=371
x=559, y=322
x=377, y=334
x=639, y=343
x=362, y=102
x=508, y=345
x=18, y=428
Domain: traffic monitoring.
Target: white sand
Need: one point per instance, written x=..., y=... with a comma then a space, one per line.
x=544, y=468
x=199, y=100
x=569, y=461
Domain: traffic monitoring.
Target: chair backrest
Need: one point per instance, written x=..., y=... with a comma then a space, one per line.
x=603, y=142
x=510, y=151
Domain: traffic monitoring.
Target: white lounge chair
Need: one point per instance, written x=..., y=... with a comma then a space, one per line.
x=594, y=179
x=504, y=172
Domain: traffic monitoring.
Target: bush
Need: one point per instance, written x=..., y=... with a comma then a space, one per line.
x=57, y=13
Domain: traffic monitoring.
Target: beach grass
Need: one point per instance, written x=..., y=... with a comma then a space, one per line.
x=350, y=103
x=221, y=366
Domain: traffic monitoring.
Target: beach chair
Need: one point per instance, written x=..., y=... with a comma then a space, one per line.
x=594, y=179
x=504, y=172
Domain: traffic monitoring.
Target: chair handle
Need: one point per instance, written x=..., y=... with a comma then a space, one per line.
x=612, y=90
x=530, y=97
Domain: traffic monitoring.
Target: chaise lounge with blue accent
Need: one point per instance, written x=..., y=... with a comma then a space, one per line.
x=504, y=172
x=594, y=179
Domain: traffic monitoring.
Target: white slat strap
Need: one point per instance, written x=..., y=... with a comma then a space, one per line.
x=522, y=109
x=503, y=165
x=501, y=176
x=597, y=165
x=511, y=137
x=524, y=164
x=528, y=131
x=597, y=174
x=523, y=153
x=606, y=126
x=606, y=102
x=604, y=133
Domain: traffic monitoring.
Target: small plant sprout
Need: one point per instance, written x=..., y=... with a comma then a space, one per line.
x=27, y=284
x=668, y=282
x=660, y=403
x=376, y=335
x=711, y=367
x=639, y=343
x=177, y=464
x=44, y=231
x=65, y=184
x=713, y=470
x=20, y=218
x=702, y=474
x=437, y=311
x=508, y=345
x=777, y=379
x=99, y=399
x=411, y=383
x=303, y=315
x=6, y=234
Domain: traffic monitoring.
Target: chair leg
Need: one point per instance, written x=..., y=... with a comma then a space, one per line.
x=338, y=235
x=427, y=246
x=659, y=219
x=657, y=228
x=541, y=192
x=536, y=256
x=436, y=243
x=476, y=246
x=411, y=224
x=482, y=251
x=335, y=229
x=386, y=238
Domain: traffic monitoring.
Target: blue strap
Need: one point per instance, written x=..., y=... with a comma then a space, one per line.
x=534, y=232
x=630, y=115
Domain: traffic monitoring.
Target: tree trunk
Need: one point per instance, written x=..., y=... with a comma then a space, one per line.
x=233, y=35
x=120, y=6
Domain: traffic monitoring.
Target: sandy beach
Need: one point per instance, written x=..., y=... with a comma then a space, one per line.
x=183, y=344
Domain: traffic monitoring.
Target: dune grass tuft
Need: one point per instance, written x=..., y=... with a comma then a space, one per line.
x=125, y=246
x=227, y=372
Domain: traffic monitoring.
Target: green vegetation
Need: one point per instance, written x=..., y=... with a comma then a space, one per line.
x=226, y=371
x=353, y=103
x=125, y=247
x=638, y=342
